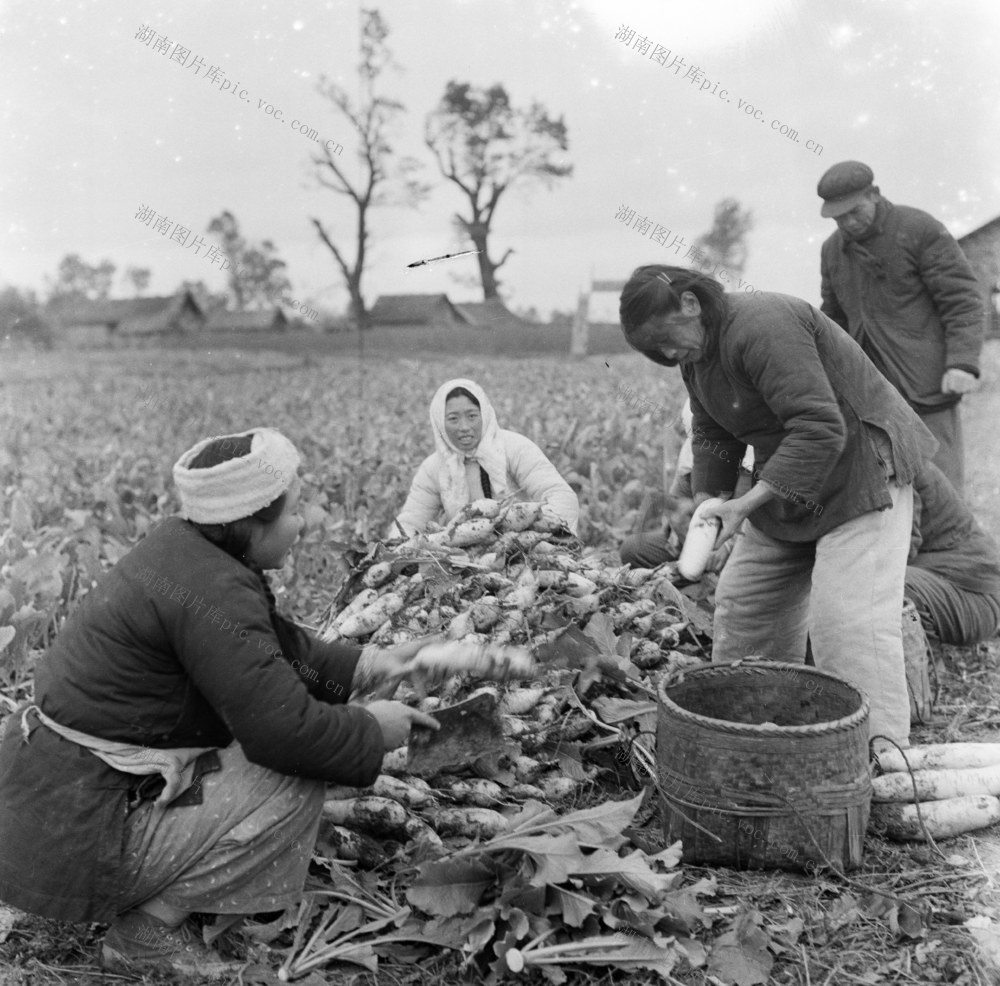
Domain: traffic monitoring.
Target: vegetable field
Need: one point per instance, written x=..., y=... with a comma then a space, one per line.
x=85, y=453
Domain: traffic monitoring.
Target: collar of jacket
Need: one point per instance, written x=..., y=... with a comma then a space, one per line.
x=882, y=210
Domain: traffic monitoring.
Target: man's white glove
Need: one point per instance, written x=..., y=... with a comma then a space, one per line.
x=957, y=381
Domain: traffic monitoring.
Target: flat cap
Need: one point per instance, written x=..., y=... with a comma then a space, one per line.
x=843, y=186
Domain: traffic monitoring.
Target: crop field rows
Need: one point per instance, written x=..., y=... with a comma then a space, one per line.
x=85, y=461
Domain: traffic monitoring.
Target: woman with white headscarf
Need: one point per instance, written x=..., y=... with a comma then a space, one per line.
x=474, y=457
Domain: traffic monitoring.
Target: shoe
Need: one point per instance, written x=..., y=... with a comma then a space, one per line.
x=137, y=939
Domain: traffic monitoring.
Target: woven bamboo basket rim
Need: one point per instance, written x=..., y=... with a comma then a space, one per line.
x=741, y=667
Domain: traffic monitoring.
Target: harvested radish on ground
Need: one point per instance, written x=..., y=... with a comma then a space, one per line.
x=473, y=823
x=936, y=785
x=372, y=815
x=940, y=756
x=942, y=819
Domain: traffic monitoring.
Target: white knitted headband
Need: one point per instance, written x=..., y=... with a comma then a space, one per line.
x=238, y=487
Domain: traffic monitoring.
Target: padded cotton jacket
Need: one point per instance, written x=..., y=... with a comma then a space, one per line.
x=175, y=647
x=907, y=294
x=785, y=379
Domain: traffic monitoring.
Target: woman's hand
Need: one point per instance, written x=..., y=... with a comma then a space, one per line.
x=395, y=720
x=381, y=669
x=731, y=513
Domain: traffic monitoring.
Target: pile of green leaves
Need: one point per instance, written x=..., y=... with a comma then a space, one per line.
x=552, y=893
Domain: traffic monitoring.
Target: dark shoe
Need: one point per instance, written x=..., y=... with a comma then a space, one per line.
x=137, y=939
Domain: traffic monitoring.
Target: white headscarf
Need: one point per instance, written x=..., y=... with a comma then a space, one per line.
x=489, y=453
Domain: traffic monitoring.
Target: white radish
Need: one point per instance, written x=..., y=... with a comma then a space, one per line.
x=479, y=792
x=482, y=823
x=364, y=598
x=483, y=508
x=411, y=793
x=519, y=701
x=527, y=541
x=558, y=788
x=471, y=532
x=373, y=616
x=700, y=540
x=642, y=626
x=940, y=756
x=626, y=612
x=522, y=596
x=527, y=770
x=937, y=785
x=395, y=761
x=377, y=574
x=515, y=728
x=584, y=605
x=522, y=792
x=942, y=819
x=372, y=815
x=520, y=516
x=547, y=712
x=569, y=582
x=461, y=626
x=417, y=829
x=485, y=612
x=636, y=577
x=346, y=842
x=647, y=654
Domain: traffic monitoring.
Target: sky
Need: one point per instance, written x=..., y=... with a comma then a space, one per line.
x=99, y=125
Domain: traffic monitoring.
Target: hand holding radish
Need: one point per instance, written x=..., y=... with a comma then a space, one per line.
x=395, y=720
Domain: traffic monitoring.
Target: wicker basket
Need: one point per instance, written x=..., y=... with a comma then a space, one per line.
x=764, y=765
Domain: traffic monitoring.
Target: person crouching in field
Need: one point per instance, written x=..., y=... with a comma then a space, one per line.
x=953, y=573
x=828, y=430
x=474, y=457
x=182, y=731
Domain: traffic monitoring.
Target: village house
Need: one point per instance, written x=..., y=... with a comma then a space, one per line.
x=247, y=323
x=83, y=322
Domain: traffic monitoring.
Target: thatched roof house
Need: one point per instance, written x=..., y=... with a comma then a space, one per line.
x=85, y=322
x=490, y=314
x=268, y=320
x=415, y=309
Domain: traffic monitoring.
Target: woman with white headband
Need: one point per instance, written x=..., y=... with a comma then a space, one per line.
x=474, y=457
x=182, y=731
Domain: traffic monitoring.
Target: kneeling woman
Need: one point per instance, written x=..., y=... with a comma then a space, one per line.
x=473, y=458
x=175, y=757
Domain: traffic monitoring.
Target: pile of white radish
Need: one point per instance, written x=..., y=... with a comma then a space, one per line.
x=957, y=786
x=502, y=577
x=401, y=807
x=504, y=573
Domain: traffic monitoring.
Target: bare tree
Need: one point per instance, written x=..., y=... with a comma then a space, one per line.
x=484, y=146
x=381, y=178
x=725, y=243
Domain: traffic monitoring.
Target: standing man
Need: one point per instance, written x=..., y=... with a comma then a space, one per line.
x=897, y=281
